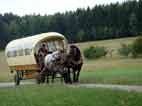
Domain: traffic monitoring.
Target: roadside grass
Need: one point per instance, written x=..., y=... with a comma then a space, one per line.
x=113, y=71
x=55, y=95
x=123, y=76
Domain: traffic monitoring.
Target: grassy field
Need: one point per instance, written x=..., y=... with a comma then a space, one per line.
x=114, y=70
x=128, y=76
x=67, y=96
x=4, y=70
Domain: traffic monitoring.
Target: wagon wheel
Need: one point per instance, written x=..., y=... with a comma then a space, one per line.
x=17, y=79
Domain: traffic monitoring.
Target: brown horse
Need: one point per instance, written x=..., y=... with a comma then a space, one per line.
x=74, y=62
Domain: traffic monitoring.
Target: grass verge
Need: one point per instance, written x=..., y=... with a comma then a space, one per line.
x=126, y=76
x=66, y=96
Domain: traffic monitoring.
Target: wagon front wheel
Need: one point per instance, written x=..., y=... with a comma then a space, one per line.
x=16, y=79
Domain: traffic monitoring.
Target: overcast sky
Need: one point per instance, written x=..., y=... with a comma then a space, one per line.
x=22, y=7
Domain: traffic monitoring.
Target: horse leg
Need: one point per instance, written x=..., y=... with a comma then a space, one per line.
x=61, y=72
x=74, y=75
x=38, y=78
x=53, y=76
x=47, y=78
x=62, y=76
x=42, y=75
x=77, y=76
x=65, y=76
x=43, y=78
x=69, y=76
x=78, y=72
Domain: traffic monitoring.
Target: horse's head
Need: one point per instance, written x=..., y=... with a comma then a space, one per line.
x=75, y=52
x=56, y=56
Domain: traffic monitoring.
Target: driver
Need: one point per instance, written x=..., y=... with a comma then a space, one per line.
x=42, y=52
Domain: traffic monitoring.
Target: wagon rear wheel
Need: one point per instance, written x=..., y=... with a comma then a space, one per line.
x=17, y=79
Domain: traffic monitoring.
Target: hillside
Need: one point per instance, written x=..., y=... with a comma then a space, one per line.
x=110, y=44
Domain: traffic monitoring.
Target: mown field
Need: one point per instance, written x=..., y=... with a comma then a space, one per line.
x=4, y=70
x=57, y=95
x=114, y=70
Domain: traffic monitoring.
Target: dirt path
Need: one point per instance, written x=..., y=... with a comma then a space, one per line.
x=137, y=88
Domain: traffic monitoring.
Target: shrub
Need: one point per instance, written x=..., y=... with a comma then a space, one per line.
x=100, y=51
x=89, y=52
x=94, y=52
x=137, y=47
x=125, y=50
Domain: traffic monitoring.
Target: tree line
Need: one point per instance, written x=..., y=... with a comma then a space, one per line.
x=100, y=22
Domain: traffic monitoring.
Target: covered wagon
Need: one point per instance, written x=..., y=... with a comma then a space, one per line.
x=21, y=53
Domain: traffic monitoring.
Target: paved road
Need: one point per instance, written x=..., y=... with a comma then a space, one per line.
x=136, y=88
x=12, y=84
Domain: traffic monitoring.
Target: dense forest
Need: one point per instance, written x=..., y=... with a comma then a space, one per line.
x=101, y=22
